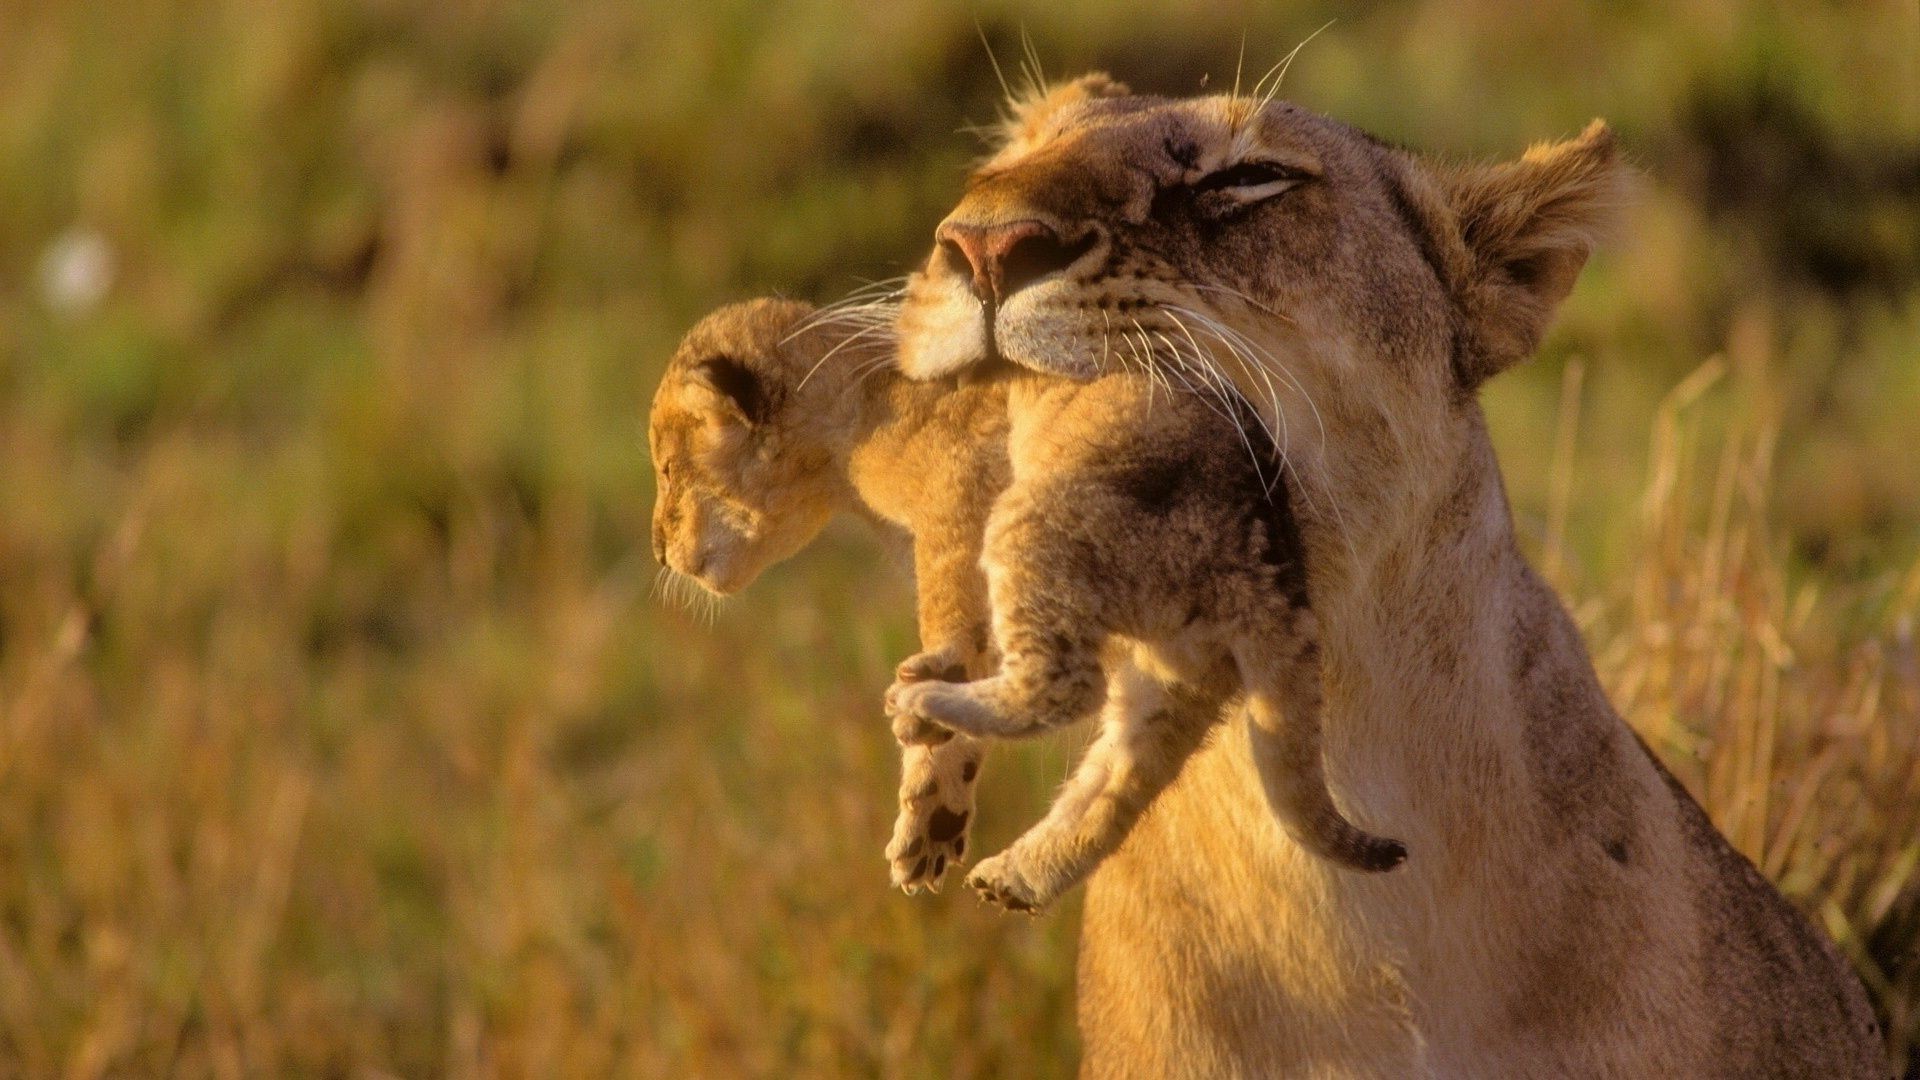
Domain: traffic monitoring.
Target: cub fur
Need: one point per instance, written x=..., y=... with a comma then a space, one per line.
x=1143, y=522
x=771, y=418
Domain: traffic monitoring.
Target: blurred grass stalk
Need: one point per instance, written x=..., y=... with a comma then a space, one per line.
x=1796, y=722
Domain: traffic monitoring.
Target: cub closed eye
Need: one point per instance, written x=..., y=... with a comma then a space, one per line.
x=1252, y=179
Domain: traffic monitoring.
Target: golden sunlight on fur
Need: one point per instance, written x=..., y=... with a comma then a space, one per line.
x=771, y=418
x=1568, y=909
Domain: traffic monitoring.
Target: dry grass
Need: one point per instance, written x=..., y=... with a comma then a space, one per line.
x=1791, y=713
x=340, y=732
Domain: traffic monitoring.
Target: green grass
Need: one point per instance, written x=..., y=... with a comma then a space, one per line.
x=340, y=731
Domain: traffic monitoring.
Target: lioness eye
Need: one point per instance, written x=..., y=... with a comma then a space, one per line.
x=1249, y=178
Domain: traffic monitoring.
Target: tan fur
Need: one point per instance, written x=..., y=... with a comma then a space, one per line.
x=1567, y=909
x=771, y=418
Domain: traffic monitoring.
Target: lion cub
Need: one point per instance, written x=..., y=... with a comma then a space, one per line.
x=772, y=417
x=1138, y=523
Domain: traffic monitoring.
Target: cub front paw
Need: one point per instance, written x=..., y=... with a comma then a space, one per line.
x=936, y=806
x=911, y=712
x=1000, y=879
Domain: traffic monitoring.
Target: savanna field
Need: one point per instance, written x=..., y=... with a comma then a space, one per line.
x=344, y=730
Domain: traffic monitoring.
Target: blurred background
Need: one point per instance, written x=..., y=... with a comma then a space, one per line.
x=341, y=730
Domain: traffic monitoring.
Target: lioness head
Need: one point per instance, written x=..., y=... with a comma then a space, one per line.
x=744, y=473
x=1354, y=292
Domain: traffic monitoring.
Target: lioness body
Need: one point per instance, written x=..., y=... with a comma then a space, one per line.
x=1568, y=910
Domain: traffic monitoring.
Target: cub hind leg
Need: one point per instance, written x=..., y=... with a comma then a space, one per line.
x=1281, y=672
x=1048, y=633
x=1148, y=730
x=936, y=787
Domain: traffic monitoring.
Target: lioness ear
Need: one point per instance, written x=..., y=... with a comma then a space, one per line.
x=1028, y=112
x=737, y=386
x=1528, y=227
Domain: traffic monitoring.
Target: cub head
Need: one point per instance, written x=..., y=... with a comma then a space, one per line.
x=1355, y=293
x=743, y=450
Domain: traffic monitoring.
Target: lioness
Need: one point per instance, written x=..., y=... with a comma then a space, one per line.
x=1570, y=910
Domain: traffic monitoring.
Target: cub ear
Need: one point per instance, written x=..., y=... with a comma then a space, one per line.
x=738, y=387
x=1029, y=111
x=1527, y=227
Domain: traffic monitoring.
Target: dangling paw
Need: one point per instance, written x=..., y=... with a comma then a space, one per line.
x=934, y=665
x=936, y=806
x=911, y=726
x=927, y=713
x=913, y=707
x=1003, y=880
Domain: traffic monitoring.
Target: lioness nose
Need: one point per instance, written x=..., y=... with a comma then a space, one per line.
x=1007, y=258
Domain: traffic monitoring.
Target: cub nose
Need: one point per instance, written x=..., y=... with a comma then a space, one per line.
x=1008, y=257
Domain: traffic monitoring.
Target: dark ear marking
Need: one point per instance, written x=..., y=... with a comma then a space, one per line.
x=1526, y=271
x=737, y=383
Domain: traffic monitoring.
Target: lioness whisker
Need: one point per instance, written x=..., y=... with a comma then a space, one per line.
x=1264, y=309
x=1244, y=349
x=842, y=344
x=1154, y=370
x=1204, y=357
x=1210, y=391
x=1232, y=409
x=1235, y=341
